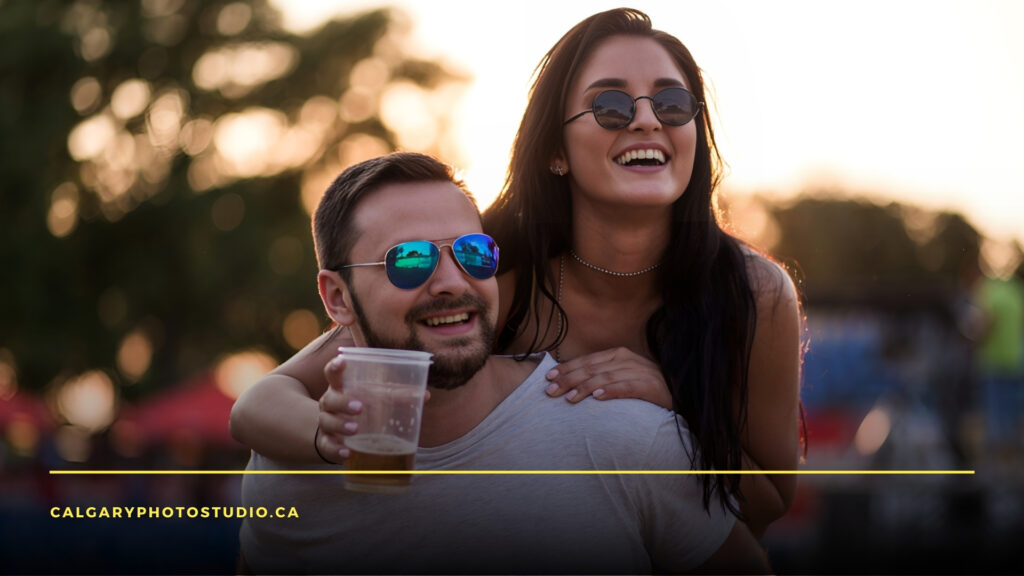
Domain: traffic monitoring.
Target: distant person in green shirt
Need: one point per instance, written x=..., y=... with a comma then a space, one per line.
x=1000, y=357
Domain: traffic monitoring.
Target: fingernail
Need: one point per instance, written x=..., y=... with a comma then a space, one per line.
x=337, y=361
x=551, y=389
x=552, y=374
x=598, y=393
x=344, y=453
x=570, y=395
x=351, y=427
x=355, y=405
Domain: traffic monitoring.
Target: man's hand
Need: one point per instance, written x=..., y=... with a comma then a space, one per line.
x=336, y=412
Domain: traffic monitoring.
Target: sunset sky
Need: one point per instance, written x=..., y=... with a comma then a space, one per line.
x=919, y=101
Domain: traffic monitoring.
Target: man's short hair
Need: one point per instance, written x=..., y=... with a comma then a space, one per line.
x=333, y=231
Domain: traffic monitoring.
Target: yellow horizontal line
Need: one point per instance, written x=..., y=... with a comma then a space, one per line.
x=519, y=472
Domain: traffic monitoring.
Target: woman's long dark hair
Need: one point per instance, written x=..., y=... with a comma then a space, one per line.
x=702, y=334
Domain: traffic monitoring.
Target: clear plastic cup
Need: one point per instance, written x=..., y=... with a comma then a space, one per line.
x=391, y=385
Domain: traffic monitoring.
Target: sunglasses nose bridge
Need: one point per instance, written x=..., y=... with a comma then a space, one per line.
x=640, y=113
x=449, y=275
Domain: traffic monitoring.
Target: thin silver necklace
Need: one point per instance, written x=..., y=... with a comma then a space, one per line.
x=561, y=280
x=611, y=272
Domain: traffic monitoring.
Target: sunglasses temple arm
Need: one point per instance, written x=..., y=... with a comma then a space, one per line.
x=364, y=264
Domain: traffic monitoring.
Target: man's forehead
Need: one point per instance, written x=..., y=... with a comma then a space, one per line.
x=396, y=213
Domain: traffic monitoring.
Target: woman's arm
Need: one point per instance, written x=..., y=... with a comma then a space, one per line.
x=277, y=416
x=771, y=439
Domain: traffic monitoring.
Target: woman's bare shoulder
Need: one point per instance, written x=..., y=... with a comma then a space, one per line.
x=770, y=281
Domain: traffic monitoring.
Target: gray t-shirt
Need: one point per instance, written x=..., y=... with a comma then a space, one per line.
x=533, y=523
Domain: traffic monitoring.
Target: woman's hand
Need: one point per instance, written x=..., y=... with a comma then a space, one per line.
x=337, y=410
x=614, y=373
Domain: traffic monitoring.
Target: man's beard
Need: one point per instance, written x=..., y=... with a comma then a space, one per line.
x=447, y=372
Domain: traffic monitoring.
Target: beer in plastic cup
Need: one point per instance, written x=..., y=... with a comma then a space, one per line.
x=391, y=385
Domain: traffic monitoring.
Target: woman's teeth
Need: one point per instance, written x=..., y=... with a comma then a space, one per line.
x=441, y=320
x=647, y=157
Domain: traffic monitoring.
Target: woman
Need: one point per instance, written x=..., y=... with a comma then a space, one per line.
x=613, y=260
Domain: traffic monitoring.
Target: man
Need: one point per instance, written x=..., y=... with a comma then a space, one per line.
x=484, y=413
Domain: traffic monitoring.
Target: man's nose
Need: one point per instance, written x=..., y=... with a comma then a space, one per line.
x=448, y=278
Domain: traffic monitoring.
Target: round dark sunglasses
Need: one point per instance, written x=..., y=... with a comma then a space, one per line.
x=410, y=264
x=614, y=109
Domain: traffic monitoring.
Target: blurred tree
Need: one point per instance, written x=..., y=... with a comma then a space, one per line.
x=158, y=165
x=851, y=246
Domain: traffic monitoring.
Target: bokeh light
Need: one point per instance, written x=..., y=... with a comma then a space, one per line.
x=86, y=95
x=245, y=141
x=22, y=435
x=236, y=70
x=234, y=18
x=73, y=443
x=196, y=136
x=88, y=401
x=370, y=74
x=8, y=375
x=358, y=105
x=96, y=43
x=62, y=217
x=130, y=98
x=227, y=211
x=134, y=355
x=237, y=372
x=358, y=147
x=91, y=137
x=165, y=117
x=1000, y=257
x=873, y=431
x=300, y=327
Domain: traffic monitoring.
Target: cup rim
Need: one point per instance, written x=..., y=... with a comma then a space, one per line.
x=393, y=355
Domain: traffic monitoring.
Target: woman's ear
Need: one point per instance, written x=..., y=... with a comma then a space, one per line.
x=559, y=165
x=334, y=293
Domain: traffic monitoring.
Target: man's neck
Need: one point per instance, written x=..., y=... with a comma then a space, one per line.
x=450, y=414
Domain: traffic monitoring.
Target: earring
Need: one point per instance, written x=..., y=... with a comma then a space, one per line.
x=557, y=169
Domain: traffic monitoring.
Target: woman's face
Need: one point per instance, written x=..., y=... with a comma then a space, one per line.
x=597, y=157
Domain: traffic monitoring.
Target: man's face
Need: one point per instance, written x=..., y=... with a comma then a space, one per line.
x=452, y=315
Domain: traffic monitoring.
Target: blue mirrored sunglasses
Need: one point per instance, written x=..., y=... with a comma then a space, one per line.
x=410, y=264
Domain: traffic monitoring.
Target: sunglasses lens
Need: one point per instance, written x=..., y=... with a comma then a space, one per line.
x=613, y=109
x=675, y=106
x=410, y=264
x=478, y=255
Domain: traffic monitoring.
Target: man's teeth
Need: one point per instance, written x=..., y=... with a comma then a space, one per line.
x=455, y=319
x=648, y=154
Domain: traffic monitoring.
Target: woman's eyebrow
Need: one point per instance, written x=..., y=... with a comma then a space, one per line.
x=621, y=83
x=668, y=82
x=606, y=83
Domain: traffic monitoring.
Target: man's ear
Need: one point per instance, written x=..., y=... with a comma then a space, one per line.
x=334, y=293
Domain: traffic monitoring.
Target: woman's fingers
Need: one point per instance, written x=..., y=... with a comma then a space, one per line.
x=609, y=374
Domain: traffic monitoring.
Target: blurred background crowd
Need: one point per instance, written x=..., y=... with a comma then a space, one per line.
x=160, y=161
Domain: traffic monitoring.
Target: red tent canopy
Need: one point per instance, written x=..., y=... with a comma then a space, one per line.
x=196, y=408
x=27, y=407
